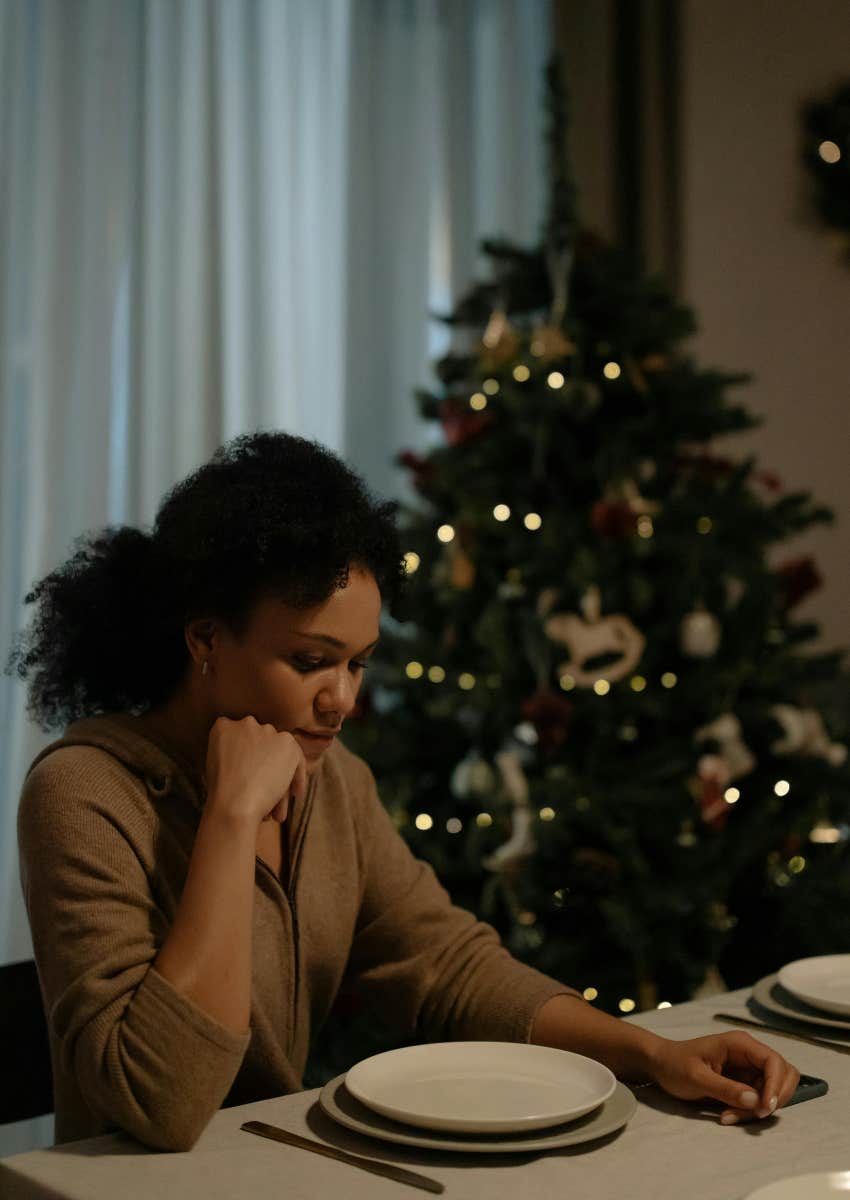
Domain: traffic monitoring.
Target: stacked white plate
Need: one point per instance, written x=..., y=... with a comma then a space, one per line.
x=822, y=982
x=825, y=1185
x=480, y=1096
x=811, y=992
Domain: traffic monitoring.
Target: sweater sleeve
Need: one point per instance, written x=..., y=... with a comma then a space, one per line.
x=428, y=966
x=141, y=1054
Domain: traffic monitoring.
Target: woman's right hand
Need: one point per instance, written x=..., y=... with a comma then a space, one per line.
x=253, y=770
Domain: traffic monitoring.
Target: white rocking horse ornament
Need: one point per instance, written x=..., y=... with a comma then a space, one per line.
x=593, y=636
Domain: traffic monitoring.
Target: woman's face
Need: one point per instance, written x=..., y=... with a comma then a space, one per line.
x=298, y=669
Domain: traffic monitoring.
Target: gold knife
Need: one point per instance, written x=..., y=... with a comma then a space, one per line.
x=799, y=1037
x=354, y=1160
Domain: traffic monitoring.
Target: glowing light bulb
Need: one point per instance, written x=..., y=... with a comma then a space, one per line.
x=669, y=679
x=637, y=683
x=555, y=380
x=732, y=795
x=611, y=370
x=590, y=993
x=424, y=821
x=645, y=527
x=453, y=825
x=532, y=520
x=547, y=814
x=445, y=533
x=501, y=512
x=626, y=1005
x=829, y=152
x=602, y=687
x=521, y=373
x=483, y=820
x=665, y=1004
x=466, y=681
x=782, y=787
x=411, y=562
x=490, y=386
x=567, y=681
x=414, y=670
x=436, y=674
x=478, y=401
x=825, y=834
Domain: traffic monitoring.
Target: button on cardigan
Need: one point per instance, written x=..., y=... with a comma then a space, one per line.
x=106, y=826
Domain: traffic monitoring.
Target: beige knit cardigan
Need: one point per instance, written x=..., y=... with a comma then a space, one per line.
x=106, y=826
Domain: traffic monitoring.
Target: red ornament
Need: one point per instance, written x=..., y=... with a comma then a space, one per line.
x=421, y=468
x=711, y=468
x=797, y=578
x=770, y=480
x=708, y=467
x=614, y=519
x=713, y=808
x=460, y=423
x=550, y=714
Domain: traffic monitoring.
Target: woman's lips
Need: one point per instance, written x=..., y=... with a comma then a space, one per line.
x=319, y=742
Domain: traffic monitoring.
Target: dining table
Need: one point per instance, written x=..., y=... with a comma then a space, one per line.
x=668, y=1150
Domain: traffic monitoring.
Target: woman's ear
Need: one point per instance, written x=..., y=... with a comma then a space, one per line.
x=200, y=635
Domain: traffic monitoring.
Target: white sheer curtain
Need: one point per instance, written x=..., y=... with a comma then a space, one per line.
x=218, y=215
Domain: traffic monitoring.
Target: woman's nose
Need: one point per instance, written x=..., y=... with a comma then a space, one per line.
x=340, y=697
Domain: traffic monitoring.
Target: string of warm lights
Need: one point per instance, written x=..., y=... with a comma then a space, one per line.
x=522, y=373
x=601, y=687
x=533, y=521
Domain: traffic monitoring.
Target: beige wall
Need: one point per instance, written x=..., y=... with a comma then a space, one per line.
x=770, y=294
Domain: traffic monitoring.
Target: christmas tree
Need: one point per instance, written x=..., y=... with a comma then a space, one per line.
x=593, y=712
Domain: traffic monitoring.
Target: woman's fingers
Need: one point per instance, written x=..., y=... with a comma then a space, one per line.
x=747, y=1077
x=738, y=1097
x=779, y=1078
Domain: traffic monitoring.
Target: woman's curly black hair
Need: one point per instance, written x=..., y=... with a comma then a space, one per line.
x=270, y=514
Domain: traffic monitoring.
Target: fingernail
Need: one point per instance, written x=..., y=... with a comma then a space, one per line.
x=729, y=1119
x=749, y=1099
x=773, y=1102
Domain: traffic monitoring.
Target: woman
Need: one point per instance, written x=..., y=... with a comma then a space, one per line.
x=203, y=862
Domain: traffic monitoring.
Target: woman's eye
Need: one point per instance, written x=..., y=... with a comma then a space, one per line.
x=314, y=664
x=307, y=664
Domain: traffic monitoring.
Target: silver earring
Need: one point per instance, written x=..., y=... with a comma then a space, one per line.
x=205, y=667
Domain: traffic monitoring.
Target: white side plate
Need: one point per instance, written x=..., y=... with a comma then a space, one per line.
x=823, y=981
x=826, y=1185
x=481, y=1087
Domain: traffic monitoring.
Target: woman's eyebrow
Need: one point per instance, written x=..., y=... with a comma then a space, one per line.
x=332, y=641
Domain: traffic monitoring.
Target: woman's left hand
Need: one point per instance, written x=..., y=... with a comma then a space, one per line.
x=747, y=1077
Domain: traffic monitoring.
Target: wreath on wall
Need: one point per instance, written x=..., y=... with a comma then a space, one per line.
x=826, y=156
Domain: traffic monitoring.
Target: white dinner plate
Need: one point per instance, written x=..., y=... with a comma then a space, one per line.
x=480, y=1087
x=337, y=1102
x=825, y=1185
x=823, y=981
x=780, y=1002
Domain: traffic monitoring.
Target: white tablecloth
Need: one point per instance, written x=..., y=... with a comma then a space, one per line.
x=668, y=1151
